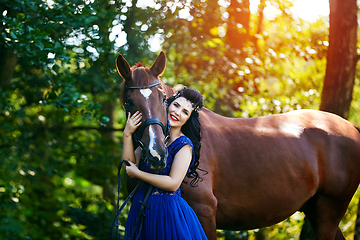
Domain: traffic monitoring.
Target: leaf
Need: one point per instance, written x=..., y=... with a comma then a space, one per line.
x=40, y=45
x=105, y=119
x=12, y=34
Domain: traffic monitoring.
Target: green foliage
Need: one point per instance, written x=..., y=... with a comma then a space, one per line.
x=347, y=223
x=280, y=68
x=51, y=183
x=59, y=111
x=354, y=115
x=287, y=61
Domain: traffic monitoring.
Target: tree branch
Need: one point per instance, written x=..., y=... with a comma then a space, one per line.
x=100, y=129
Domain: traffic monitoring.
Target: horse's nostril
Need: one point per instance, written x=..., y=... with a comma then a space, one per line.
x=157, y=161
x=154, y=153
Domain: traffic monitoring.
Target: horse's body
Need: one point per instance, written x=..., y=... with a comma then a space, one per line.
x=262, y=170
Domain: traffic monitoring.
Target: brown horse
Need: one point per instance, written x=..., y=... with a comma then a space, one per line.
x=261, y=170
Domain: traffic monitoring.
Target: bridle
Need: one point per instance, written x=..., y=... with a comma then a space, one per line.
x=140, y=131
x=145, y=154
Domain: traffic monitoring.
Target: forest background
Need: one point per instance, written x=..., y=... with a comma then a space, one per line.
x=61, y=120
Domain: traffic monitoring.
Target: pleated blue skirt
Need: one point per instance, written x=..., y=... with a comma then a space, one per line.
x=167, y=217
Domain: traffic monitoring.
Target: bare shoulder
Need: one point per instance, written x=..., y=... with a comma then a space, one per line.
x=184, y=152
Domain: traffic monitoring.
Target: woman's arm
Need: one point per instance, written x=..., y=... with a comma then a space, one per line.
x=132, y=123
x=177, y=174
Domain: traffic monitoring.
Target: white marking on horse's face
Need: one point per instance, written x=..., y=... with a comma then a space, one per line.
x=152, y=150
x=292, y=129
x=146, y=92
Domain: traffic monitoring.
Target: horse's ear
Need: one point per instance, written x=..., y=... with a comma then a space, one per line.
x=159, y=65
x=123, y=67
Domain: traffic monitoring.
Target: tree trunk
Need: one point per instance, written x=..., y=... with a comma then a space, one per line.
x=342, y=58
x=239, y=23
x=8, y=56
x=259, y=31
x=108, y=136
x=261, y=234
x=130, y=33
x=8, y=60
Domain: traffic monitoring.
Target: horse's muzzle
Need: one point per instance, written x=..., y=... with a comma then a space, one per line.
x=157, y=159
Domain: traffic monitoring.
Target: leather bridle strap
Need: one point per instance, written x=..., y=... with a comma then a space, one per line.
x=138, y=87
x=148, y=122
x=139, y=132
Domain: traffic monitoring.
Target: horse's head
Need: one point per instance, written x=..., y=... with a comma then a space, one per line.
x=143, y=91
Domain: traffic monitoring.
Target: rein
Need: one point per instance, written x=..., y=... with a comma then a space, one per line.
x=137, y=135
x=141, y=214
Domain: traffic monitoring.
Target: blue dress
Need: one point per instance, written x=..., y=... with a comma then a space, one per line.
x=169, y=216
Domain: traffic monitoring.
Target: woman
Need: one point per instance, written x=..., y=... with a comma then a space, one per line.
x=167, y=215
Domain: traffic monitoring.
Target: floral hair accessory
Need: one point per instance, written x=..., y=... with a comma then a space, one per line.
x=195, y=107
x=176, y=95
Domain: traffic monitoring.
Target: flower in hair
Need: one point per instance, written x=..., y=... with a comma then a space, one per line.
x=196, y=108
x=177, y=95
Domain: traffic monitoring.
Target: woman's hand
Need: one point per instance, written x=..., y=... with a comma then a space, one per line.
x=132, y=123
x=132, y=170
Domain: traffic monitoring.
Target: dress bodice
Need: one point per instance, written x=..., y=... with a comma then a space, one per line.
x=166, y=215
x=173, y=148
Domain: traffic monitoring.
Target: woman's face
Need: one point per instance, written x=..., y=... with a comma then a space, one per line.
x=179, y=112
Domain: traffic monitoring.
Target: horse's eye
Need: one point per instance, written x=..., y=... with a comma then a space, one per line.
x=129, y=103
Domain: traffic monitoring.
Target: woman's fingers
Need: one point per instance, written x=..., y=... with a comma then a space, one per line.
x=136, y=116
x=132, y=123
x=135, y=120
x=131, y=169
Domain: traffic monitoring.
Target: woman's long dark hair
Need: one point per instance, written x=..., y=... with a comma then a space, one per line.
x=192, y=128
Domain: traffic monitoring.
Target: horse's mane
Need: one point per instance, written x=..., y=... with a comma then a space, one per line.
x=142, y=74
x=138, y=64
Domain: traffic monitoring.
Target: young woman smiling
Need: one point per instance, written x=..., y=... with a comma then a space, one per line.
x=168, y=216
